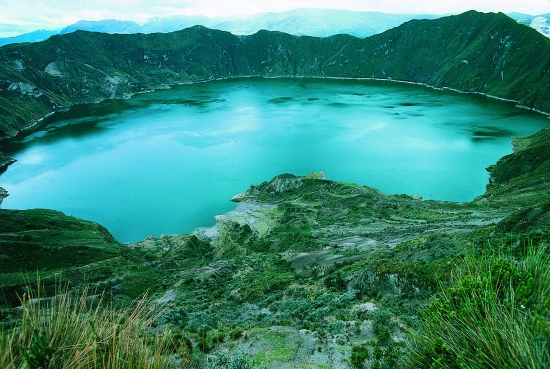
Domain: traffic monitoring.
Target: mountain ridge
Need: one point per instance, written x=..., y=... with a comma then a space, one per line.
x=300, y=22
x=487, y=53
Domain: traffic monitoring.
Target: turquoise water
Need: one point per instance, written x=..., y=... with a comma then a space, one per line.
x=168, y=161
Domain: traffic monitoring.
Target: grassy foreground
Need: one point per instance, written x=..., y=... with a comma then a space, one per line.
x=495, y=314
x=82, y=331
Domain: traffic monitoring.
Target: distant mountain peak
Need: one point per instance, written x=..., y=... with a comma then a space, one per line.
x=302, y=21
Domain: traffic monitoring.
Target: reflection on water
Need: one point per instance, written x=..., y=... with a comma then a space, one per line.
x=169, y=161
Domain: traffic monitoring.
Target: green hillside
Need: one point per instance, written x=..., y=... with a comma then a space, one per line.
x=471, y=52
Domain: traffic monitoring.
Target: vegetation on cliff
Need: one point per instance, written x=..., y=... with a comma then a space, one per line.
x=82, y=331
x=495, y=314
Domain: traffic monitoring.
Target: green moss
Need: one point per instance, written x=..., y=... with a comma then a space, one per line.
x=280, y=349
x=280, y=354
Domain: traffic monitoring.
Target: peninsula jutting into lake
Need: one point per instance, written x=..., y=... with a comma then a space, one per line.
x=169, y=161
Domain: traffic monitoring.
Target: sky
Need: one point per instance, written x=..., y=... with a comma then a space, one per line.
x=21, y=16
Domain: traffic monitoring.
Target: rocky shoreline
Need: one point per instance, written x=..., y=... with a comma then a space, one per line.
x=5, y=161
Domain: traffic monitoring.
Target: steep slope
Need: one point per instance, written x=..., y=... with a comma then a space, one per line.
x=49, y=242
x=521, y=178
x=471, y=52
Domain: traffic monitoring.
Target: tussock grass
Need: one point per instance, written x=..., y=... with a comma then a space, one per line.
x=83, y=331
x=495, y=314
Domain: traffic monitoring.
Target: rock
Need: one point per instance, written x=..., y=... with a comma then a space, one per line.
x=5, y=161
x=239, y=197
x=367, y=306
x=317, y=175
x=284, y=182
x=3, y=195
x=169, y=296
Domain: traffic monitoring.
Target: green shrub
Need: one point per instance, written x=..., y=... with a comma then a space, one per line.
x=215, y=336
x=377, y=353
x=381, y=319
x=236, y=333
x=384, y=336
x=177, y=316
x=358, y=356
x=336, y=282
x=391, y=355
x=39, y=354
x=224, y=361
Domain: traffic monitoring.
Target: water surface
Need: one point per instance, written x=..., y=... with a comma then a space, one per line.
x=168, y=161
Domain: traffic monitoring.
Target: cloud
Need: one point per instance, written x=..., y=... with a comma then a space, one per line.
x=29, y=15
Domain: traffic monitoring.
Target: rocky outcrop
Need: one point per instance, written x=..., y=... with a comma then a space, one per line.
x=471, y=52
x=5, y=161
x=283, y=183
x=3, y=195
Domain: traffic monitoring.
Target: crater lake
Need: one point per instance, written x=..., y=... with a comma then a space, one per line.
x=169, y=160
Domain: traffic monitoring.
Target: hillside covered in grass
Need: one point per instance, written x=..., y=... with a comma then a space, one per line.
x=471, y=52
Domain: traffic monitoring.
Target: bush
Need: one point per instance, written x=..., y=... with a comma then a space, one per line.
x=358, y=356
x=381, y=319
x=236, y=333
x=495, y=314
x=336, y=282
x=177, y=316
x=224, y=361
x=384, y=336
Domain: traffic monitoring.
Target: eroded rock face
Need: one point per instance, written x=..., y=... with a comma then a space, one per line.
x=284, y=182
